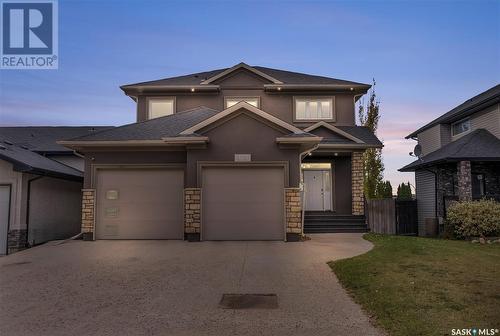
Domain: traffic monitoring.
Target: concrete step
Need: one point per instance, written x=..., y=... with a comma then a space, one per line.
x=335, y=230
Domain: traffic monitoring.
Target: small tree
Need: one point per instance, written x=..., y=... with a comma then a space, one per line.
x=384, y=190
x=404, y=191
x=373, y=166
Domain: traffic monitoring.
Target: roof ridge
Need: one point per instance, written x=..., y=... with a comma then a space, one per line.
x=185, y=75
x=305, y=73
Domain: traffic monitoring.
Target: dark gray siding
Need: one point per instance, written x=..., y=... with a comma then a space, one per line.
x=426, y=197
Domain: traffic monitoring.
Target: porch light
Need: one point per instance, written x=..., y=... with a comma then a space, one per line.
x=279, y=88
x=336, y=154
x=352, y=89
x=310, y=154
x=192, y=89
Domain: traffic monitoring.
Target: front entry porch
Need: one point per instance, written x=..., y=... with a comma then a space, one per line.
x=332, y=189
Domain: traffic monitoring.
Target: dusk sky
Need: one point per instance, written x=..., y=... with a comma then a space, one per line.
x=427, y=56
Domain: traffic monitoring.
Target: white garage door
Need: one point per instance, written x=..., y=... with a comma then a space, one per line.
x=140, y=204
x=243, y=203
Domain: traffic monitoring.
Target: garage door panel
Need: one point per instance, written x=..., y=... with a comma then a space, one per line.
x=243, y=203
x=140, y=204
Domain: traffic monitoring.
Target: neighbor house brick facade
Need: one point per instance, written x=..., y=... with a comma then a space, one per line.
x=230, y=154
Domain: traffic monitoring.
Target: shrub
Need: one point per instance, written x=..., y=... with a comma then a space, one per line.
x=474, y=218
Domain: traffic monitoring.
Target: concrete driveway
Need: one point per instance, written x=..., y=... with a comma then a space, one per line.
x=174, y=288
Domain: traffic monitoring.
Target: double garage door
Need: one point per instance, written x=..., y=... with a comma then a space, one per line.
x=238, y=203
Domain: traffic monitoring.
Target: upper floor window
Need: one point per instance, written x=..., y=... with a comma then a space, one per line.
x=230, y=101
x=313, y=109
x=160, y=106
x=461, y=126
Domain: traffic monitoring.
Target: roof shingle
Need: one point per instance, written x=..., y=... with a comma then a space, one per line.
x=479, y=145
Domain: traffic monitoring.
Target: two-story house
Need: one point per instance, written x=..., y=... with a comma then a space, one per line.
x=220, y=155
x=459, y=155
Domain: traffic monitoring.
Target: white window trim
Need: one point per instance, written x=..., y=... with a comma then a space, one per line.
x=332, y=100
x=242, y=98
x=458, y=122
x=148, y=99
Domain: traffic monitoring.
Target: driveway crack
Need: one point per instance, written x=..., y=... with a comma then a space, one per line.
x=243, y=266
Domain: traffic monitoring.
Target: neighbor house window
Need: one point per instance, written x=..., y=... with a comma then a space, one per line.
x=230, y=101
x=313, y=108
x=160, y=107
x=460, y=127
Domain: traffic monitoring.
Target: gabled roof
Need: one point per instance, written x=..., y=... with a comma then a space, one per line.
x=479, y=145
x=235, y=108
x=282, y=78
x=43, y=139
x=470, y=106
x=333, y=129
x=238, y=67
x=25, y=160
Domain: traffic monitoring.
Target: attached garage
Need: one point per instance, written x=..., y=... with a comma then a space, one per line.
x=139, y=203
x=243, y=203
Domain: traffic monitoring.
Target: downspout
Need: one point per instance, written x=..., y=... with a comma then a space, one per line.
x=303, y=193
x=28, y=198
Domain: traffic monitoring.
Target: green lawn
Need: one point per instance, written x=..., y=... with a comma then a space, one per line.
x=421, y=286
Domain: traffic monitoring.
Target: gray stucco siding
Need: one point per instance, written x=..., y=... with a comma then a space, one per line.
x=243, y=134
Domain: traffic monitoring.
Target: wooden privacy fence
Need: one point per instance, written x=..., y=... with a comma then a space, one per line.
x=390, y=216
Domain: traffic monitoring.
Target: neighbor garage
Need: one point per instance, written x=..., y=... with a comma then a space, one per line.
x=138, y=203
x=243, y=203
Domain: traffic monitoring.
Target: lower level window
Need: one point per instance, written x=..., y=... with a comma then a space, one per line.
x=478, y=185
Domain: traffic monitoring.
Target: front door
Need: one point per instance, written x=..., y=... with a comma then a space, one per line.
x=317, y=188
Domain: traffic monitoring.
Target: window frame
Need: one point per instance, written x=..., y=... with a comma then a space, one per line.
x=459, y=122
x=226, y=98
x=148, y=105
x=332, y=102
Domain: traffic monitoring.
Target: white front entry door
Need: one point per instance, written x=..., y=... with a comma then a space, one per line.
x=317, y=187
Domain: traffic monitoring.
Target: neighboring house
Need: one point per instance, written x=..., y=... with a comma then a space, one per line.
x=460, y=156
x=220, y=155
x=40, y=185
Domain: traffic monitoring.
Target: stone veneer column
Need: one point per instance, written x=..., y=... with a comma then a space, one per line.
x=192, y=214
x=464, y=181
x=358, y=206
x=88, y=213
x=17, y=240
x=293, y=210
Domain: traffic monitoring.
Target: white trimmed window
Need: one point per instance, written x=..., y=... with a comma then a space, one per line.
x=313, y=108
x=460, y=127
x=160, y=107
x=254, y=101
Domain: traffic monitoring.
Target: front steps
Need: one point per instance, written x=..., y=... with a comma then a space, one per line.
x=329, y=222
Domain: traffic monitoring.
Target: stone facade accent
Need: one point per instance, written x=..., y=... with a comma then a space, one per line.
x=88, y=213
x=293, y=211
x=192, y=213
x=464, y=181
x=446, y=183
x=17, y=240
x=358, y=203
